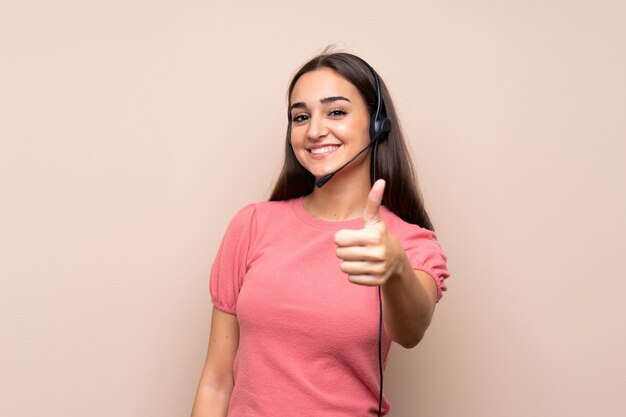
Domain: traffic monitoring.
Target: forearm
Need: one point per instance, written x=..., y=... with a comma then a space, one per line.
x=407, y=305
x=211, y=401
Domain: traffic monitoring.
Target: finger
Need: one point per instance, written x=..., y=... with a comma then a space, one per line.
x=368, y=280
x=363, y=268
x=358, y=237
x=371, y=214
x=361, y=253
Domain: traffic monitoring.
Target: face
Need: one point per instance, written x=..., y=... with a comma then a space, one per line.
x=329, y=123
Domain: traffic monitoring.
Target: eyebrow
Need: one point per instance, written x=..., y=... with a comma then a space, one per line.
x=300, y=104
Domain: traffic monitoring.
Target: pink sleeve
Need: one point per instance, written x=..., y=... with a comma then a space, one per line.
x=231, y=261
x=424, y=253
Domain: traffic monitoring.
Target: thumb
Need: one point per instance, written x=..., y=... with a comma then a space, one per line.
x=371, y=214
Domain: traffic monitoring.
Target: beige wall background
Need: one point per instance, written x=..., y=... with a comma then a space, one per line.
x=131, y=132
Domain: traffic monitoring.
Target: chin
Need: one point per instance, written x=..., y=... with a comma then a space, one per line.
x=319, y=170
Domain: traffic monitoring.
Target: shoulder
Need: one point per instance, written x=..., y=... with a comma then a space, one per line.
x=243, y=216
x=421, y=247
x=412, y=236
x=272, y=206
x=261, y=211
x=270, y=209
x=404, y=230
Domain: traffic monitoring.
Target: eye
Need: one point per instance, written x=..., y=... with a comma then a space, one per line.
x=337, y=113
x=300, y=117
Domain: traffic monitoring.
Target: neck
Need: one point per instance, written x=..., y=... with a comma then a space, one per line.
x=343, y=197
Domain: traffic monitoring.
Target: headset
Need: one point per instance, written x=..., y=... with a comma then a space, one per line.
x=379, y=128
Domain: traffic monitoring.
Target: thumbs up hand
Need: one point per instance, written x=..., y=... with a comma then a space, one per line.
x=371, y=255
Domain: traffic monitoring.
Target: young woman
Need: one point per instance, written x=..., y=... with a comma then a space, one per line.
x=298, y=281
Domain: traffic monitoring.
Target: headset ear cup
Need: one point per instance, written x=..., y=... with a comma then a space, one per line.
x=385, y=127
x=379, y=127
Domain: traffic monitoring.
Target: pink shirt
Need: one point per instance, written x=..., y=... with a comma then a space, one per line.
x=308, y=341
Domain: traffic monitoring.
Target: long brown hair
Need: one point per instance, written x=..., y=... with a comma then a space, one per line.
x=402, y=195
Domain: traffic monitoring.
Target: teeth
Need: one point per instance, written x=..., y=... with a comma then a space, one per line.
x=323, y=150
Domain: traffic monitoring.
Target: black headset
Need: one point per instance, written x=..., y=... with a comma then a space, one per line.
x=380, y=126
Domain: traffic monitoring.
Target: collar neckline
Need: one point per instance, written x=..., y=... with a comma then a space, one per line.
x=305, y=217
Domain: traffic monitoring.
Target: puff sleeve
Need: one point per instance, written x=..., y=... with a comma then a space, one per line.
x=425, y=254
x=231, y=262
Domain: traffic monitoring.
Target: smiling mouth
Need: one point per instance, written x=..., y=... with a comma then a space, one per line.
x=325, y=150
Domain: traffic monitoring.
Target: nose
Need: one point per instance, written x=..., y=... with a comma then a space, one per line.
x=317, y=127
